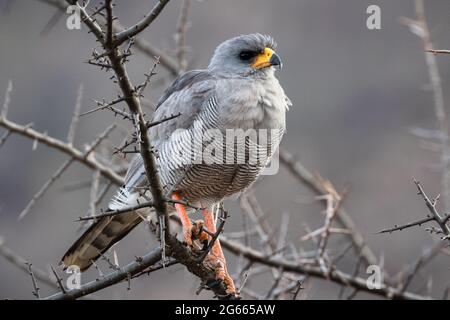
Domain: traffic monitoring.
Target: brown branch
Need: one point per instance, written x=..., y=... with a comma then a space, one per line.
x=112, y=278
x=5, y=137
x=64, y=147
x=426, y=257
x=435, y=51
x=7, y=100
x=109, y=23
x=117, y=212
x=76, y=116
x=420, y=28
x=166, y=61
x=431, y=205
x=34, y=282
x=132, y=31
x=45, y=187
x=58, y=281
x=180, y=36
x=93, y=192
x=101, y=105
x=407, y=225
x=302, y=174
x=61, y=169
x=21, y=264
x=334, y=275
x=333, y=205
x=142, y=45
x=223, y=217
x=132, y=99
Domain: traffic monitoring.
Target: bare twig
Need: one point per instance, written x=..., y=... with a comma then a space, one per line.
x=45, y=187
x=333, y=204
x=431, y=205
x=180, y=36
x=5, y=137
x=117, y=212
x=420, y=28
x=426, y=257
x=76, y=116
x=111, y=278
x=58, y=281
x=155, y=267
x=109, y=23
x=93, y=193
x=334, y=275
x=301, y=173
x=7, y=100
x=21, y=264
x=61, y=169
x=407, y=225
x=132, y=31
x=56, y=144
x=435, y=51
x=222, y=219
x=102, y=105
x=33, y=280
x=142, y=45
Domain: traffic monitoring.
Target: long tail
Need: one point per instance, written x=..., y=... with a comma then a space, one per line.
x=100, y=236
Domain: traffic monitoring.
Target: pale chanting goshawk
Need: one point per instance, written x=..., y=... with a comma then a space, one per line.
x=238, y=92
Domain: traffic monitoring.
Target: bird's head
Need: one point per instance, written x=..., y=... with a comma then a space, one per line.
x=246, y=55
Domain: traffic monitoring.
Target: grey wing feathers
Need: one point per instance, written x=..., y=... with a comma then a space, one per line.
x=184, y=81
x=185, y=96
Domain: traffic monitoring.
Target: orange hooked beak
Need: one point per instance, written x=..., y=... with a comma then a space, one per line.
x=267, y=58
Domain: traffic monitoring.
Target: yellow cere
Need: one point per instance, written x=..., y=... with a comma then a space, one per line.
x=263, y=59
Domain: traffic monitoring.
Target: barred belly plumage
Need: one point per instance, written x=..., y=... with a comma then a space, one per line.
x=215, y=182
x=233, y=162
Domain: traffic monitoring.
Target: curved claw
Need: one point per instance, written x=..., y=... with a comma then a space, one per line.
x=199, y=234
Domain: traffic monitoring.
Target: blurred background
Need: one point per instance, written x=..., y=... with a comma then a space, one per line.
x=356, y=93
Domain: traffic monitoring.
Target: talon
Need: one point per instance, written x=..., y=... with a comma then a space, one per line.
x=187, y=234
x=198, y=231
x=205, y=245
x=216, y=257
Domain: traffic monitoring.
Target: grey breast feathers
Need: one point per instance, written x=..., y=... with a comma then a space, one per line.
x=205, y=101
x=184, y=97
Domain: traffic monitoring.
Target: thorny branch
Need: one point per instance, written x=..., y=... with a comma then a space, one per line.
x=420, y=28
x=334, y=275
x=435, y=216
x=132, y=95
x=180, y=36
x=64, y=147
x=289, y=266
x=306, y=177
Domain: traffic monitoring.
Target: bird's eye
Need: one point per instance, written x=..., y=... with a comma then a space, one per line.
x=247, y=55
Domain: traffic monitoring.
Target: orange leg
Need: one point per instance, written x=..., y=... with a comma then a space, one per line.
x=185, y=221
x=216, y=256
x=194, y=231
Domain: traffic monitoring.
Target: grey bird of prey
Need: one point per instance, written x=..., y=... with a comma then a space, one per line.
x=198, y=160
